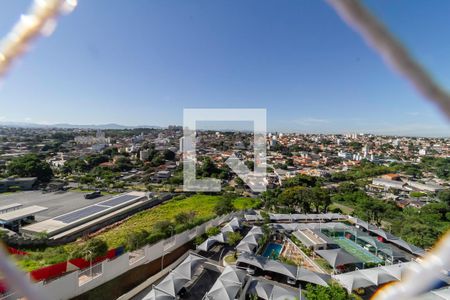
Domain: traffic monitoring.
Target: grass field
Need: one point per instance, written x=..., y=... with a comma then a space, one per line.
x=202, y=205
x=246, y=203
x=356, y=250
x=345, y=209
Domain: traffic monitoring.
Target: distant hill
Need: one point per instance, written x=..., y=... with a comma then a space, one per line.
x=70, y=126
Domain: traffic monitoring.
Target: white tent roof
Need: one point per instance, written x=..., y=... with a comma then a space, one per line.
x=227, y=228
x=156, y=294
x=354, y=280
x=220, y=237
x=313, y=277
x=253, y=260
x=256, y=230
x=245, y=247
x=270, y=291
x=231, y=226
x=232, y=274
x=407, y=246
x=294, y=272
x=228, y=285
x=188, y=266
x=207, y=244
x=378, y=276
x=280, y=268
x=250, y=242
x=372, y=276
x=175, y=280
x=172, y=283
x=280, y=293
x=250, y=239
x=337, y=257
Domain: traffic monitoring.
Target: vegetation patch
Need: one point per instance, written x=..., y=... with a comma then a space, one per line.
x=246, y=203
x=146, y=227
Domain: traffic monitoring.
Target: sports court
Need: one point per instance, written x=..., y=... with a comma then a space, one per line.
x=356, y=250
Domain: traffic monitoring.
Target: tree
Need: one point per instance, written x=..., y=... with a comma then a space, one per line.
x=419, y=234
x=250, y=165
x=444, y=196
x=75, y=165
x=185, y=217
x=239, y=182
x=123, y=164
x=233, y=238
x=371, y=209
x=296, y=198
x=302, y=180
x=90, y=250
x=168, y=155
x=332, y=292
x=136, y=240
x=270, y=198
x=30, y=165
x=319, y=198
x=347, y=187
x=95, y=160
x=209, y=169
x=199, y=239
x=165, y=227
x=225, y=204
x=110, y=151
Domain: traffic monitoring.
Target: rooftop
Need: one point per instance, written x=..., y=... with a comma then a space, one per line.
x=21, y=213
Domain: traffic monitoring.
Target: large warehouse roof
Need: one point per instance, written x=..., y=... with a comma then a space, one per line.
x=83, y=215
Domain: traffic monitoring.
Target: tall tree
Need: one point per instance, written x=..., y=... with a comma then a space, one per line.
x=30, y=165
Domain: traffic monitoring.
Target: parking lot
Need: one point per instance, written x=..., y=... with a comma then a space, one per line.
x=57, y=202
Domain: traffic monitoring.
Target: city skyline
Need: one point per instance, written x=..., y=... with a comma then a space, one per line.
x=147, y=69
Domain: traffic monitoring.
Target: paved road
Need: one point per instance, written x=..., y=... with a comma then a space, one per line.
x=57, y=203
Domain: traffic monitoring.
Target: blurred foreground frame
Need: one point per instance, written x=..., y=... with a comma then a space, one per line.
x=41, y=20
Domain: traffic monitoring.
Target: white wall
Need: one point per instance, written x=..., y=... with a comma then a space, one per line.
x=67, y=286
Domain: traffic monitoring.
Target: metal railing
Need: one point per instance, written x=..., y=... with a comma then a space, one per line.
x=90, y=273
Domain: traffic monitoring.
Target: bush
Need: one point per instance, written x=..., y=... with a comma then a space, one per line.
x=165, y=227
x=185, y=217
x=199, y=239
x=90, y=250
x=225, y=205
x=155, y=237
x=233, y=238
x=136, y=240
x=332, y=292
x=212, y=231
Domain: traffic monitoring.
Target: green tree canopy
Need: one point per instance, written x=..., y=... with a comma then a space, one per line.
x=30, y=165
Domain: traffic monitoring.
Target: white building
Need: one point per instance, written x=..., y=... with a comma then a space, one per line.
x=144, y=154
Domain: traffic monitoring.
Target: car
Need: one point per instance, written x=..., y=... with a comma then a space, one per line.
x=291, y=281
x=93, y=195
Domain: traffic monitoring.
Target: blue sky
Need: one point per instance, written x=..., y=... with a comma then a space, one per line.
x=143, y=61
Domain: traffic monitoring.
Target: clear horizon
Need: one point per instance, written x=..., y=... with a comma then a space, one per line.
x=142, y=63
x=224, y=129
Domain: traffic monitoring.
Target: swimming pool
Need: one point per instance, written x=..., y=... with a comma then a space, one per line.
x=272, y=250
